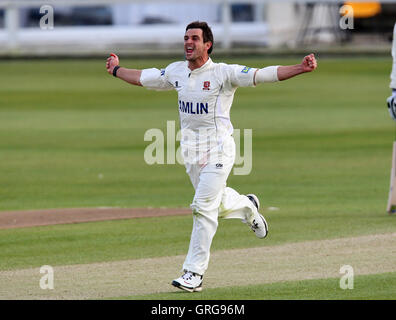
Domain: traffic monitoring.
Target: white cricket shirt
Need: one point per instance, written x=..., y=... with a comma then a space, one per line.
x=205, y=97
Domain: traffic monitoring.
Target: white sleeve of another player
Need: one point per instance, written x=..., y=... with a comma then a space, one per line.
x=393, y=74
x=155, y=79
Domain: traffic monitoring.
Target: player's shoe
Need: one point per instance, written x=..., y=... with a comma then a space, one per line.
x=189, y=281
x=252, y=197
x=259, y=226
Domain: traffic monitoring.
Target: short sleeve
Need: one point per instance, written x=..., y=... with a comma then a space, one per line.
x=155, y=79
x=241, y=76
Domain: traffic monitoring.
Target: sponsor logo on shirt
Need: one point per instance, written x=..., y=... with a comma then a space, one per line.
x=193, y=108
x=245, y=70
x=162, y=72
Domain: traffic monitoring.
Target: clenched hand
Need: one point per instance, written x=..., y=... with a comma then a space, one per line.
x=309, y=63
x=111, y=62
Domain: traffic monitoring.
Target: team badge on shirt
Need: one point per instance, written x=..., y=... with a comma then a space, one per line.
x=206, y=85
x=245, y=70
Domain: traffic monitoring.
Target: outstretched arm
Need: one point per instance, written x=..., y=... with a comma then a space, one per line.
x=279, y=73
x=307, y=65
x=131, y=76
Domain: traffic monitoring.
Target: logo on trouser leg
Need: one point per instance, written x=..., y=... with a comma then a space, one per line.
x=219, y=165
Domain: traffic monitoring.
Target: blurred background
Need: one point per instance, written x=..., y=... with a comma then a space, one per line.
x=93, y=27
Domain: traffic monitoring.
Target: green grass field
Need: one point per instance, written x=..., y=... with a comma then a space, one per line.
x=323, y=289
x=72, y=136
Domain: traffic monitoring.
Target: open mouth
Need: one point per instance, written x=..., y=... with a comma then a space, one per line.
x=189, y=50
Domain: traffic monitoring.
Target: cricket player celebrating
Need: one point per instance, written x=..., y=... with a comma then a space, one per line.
x=205, y=94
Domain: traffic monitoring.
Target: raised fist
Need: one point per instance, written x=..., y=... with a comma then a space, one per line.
x=309, y=63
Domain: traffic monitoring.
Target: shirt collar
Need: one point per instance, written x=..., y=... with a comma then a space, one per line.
x=206, y=65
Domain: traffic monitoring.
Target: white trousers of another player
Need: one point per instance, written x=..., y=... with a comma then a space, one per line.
x=213, y=200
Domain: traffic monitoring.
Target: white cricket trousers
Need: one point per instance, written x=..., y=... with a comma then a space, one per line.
x=212, y=200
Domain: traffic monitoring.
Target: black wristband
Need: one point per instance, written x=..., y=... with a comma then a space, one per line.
x=115, y=70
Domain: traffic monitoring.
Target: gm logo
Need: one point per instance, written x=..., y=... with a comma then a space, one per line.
x=219, y=165
x=245, y=70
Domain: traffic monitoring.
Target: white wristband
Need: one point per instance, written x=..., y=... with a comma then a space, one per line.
x=267, y=74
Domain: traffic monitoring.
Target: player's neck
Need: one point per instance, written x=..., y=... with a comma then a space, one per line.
x=197, y=63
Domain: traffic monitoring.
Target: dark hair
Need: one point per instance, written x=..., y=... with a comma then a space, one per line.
x=206, y=32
